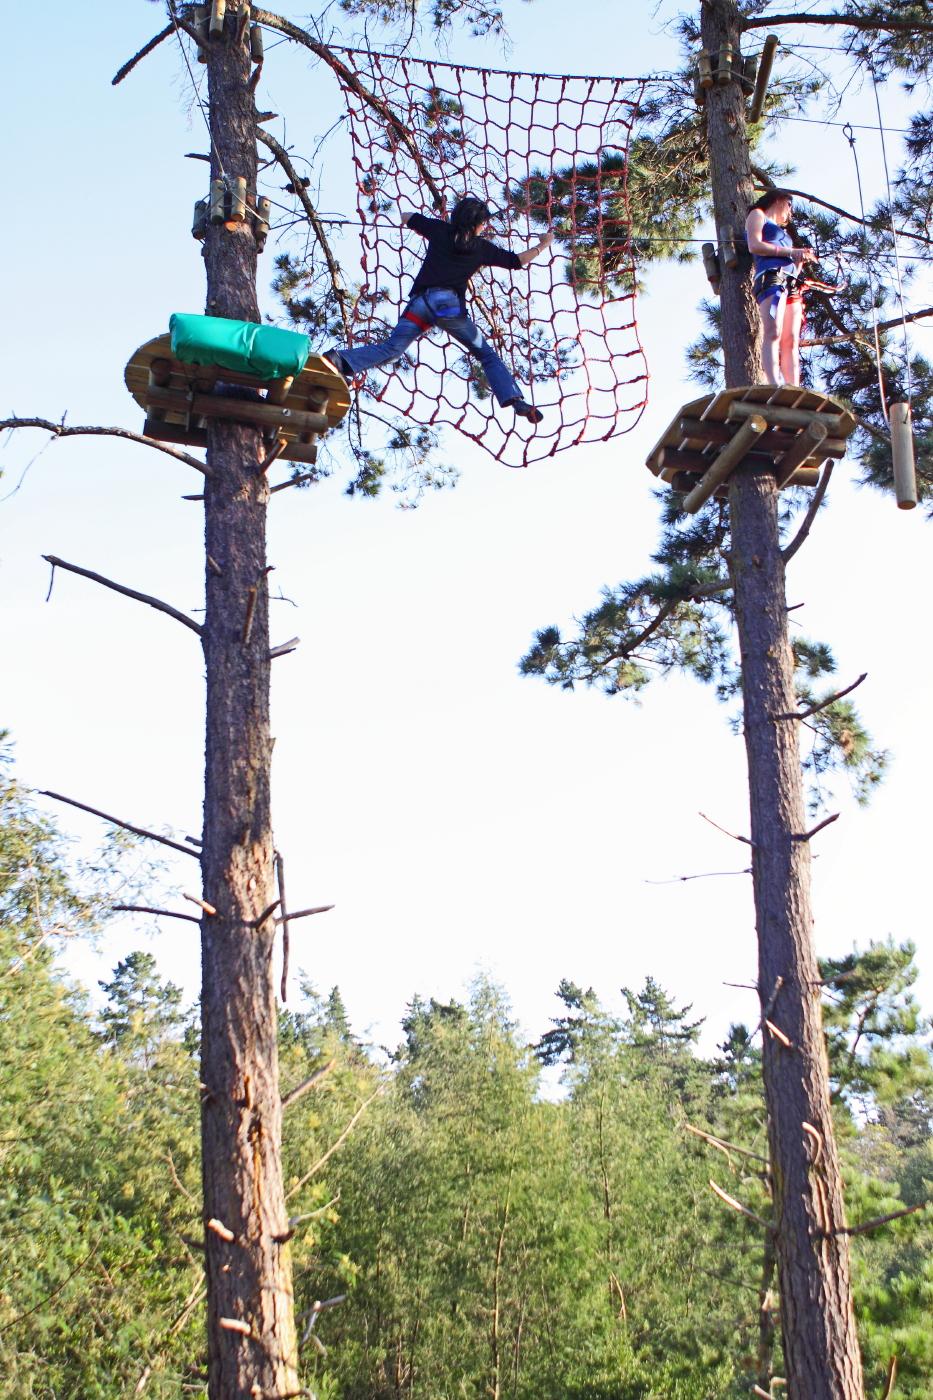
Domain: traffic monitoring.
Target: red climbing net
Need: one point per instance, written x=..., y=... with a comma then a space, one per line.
x=543, y=152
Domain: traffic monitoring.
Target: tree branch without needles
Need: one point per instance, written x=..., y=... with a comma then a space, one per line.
x=350, y=80
x=333, y=267
x=815, y=503
x=721, y=1145
x=138, y=57
x=148, y=909
x=806, y=835
x=127, y=826
x=737, y=1205
x=299, y=1090
x=746, y=840
x=146, y=598
x=59, y=430
x=339, y=1143
x=880, y=1220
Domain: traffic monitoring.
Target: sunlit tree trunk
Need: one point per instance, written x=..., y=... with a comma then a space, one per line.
x=818, y=1325
x=251, y=1330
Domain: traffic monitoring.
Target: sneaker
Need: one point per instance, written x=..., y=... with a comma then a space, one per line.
x=335, y=360
x=526, y=410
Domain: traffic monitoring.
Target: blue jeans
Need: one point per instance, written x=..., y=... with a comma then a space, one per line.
x=438, y=306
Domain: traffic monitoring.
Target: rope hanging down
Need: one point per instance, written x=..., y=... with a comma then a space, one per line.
x=542, y=152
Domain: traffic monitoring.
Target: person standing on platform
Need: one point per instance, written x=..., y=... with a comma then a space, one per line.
x=779, y=298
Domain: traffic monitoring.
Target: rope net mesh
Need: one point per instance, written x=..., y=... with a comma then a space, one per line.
x=542, y=152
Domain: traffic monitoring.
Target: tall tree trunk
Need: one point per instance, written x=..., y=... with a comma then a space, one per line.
x=818, y=1325
x=248, y=1275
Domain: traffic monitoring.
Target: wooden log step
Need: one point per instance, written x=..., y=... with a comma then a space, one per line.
x=685, y=481
x=256, y=411
x=294, y=451
x=279, y=390
x=742, y=410
x=679, y=459
x=808, y=444
x=724, y=464
x=803, y=476
x=706, y=430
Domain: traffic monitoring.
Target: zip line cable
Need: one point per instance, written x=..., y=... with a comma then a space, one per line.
x=848, y=129
x=197, y=95
x=897, y=261
x=850, y=137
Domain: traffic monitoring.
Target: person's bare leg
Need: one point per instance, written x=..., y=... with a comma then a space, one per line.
x=772, y=317
x=790, y=342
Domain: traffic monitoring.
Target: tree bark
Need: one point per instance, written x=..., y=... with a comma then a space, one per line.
x=249, y=1275
x=821, y=1352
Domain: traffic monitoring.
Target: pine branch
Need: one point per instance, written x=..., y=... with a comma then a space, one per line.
x=825, y=704
x=146, y=598
x=127, y=826
x=333, y=267
x=59, y=430
x=766, y=181
x=860, y=336
x=893, y=26
x=138, y=57
x=815, y=502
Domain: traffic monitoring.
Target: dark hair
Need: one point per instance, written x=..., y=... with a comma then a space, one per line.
x=770, y=197
x=466, y=215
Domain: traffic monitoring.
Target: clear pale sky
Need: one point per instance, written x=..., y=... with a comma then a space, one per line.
x=459, y=818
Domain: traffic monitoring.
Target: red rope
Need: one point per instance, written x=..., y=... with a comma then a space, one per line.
x=567, y=325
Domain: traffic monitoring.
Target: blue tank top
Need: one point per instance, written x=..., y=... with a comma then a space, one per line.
x=773, y=233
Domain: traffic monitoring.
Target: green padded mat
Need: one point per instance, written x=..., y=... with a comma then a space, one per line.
x=267, y=352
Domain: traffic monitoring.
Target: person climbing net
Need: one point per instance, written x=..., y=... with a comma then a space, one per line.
x=456, y=251
x=549, y=155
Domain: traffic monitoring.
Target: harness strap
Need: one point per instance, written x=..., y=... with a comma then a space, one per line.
x=419, y=321
x=772, y=277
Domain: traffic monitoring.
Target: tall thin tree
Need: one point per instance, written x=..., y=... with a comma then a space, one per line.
x=252, y=1345
x=820, y=1342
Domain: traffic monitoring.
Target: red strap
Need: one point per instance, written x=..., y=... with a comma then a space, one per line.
x=421, y=324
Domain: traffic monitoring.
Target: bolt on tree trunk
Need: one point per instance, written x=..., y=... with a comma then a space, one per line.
x=251, y=1330
x=818, y=1325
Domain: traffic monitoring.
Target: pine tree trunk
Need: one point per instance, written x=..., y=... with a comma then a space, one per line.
x=821, y=1352
x=248, y=1276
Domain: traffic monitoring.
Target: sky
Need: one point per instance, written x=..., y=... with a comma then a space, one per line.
x=462, y=820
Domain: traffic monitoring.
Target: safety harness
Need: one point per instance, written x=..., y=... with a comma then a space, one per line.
x=794, y=283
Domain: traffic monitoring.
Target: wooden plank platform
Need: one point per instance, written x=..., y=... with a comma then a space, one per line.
x=174, y=397
x=701, y=430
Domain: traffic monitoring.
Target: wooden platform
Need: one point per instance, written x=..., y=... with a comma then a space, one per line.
x=178, y=398
x=793, y=431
